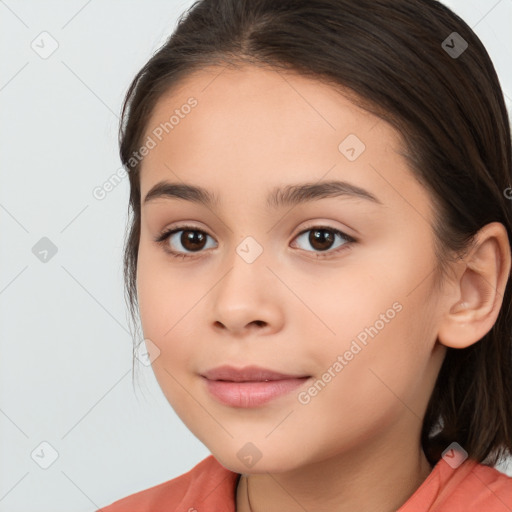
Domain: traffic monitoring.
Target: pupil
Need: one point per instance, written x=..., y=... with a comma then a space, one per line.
x=192, y=237
x=321, y=236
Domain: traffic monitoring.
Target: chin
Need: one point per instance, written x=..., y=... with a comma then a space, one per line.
x=273, y=463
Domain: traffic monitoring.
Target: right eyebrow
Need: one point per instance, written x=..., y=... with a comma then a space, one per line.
x=168, y=190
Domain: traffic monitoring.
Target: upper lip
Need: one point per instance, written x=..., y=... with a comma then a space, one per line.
x=246, y=374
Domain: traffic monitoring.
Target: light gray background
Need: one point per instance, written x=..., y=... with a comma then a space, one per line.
x=66, y=353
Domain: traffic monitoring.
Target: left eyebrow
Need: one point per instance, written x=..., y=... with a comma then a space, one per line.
x=289, y=195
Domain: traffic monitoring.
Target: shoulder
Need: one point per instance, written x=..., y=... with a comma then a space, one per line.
x=470, y=487
x=206, y=485
x=485, y=488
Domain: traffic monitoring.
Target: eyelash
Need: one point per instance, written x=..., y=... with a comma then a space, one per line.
x=163, y=237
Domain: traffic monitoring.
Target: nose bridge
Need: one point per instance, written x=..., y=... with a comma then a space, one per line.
x=244, y=295
x=249, y=250
x=247, y=266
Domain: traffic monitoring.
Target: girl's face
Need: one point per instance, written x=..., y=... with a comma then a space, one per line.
x=281, y=284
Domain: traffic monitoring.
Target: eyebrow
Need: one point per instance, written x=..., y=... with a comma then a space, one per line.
x=288, y=195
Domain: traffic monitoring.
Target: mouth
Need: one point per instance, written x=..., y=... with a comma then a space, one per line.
x=250, y=386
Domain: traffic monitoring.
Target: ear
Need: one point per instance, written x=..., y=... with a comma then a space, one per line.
x=476, y=295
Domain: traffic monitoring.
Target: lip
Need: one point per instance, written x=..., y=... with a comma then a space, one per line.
x=250, y=386
x=247, y=374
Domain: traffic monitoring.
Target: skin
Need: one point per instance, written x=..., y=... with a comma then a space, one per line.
x=356, y=444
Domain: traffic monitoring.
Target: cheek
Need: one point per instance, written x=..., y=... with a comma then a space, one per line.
x=391, y=374
x=168, y=304
x=381, y=380
x=164, y=295
x=381, y=318
x=166, y=308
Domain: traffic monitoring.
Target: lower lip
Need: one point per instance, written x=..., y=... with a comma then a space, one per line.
x=251, y=394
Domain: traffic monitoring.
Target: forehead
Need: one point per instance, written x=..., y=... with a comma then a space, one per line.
x=257, y=91
x=261, y=126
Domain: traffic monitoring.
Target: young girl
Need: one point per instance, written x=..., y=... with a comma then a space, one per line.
x=320, y=256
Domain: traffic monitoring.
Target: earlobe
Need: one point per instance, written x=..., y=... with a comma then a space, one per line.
x=484, y=274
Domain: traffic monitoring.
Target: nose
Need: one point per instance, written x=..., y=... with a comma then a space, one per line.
x=247, y=298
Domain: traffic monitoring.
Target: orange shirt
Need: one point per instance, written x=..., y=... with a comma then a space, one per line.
x=210, y=487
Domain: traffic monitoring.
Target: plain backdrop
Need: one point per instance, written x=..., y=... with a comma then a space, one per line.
x=76, y=433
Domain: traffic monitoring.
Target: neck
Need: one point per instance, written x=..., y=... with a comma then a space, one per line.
x=373, y=482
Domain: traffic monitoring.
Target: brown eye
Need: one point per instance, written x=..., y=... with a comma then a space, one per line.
x=322, y=238
x=192, y=240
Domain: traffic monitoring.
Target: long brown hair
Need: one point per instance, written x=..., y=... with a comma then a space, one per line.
x=399, y=60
